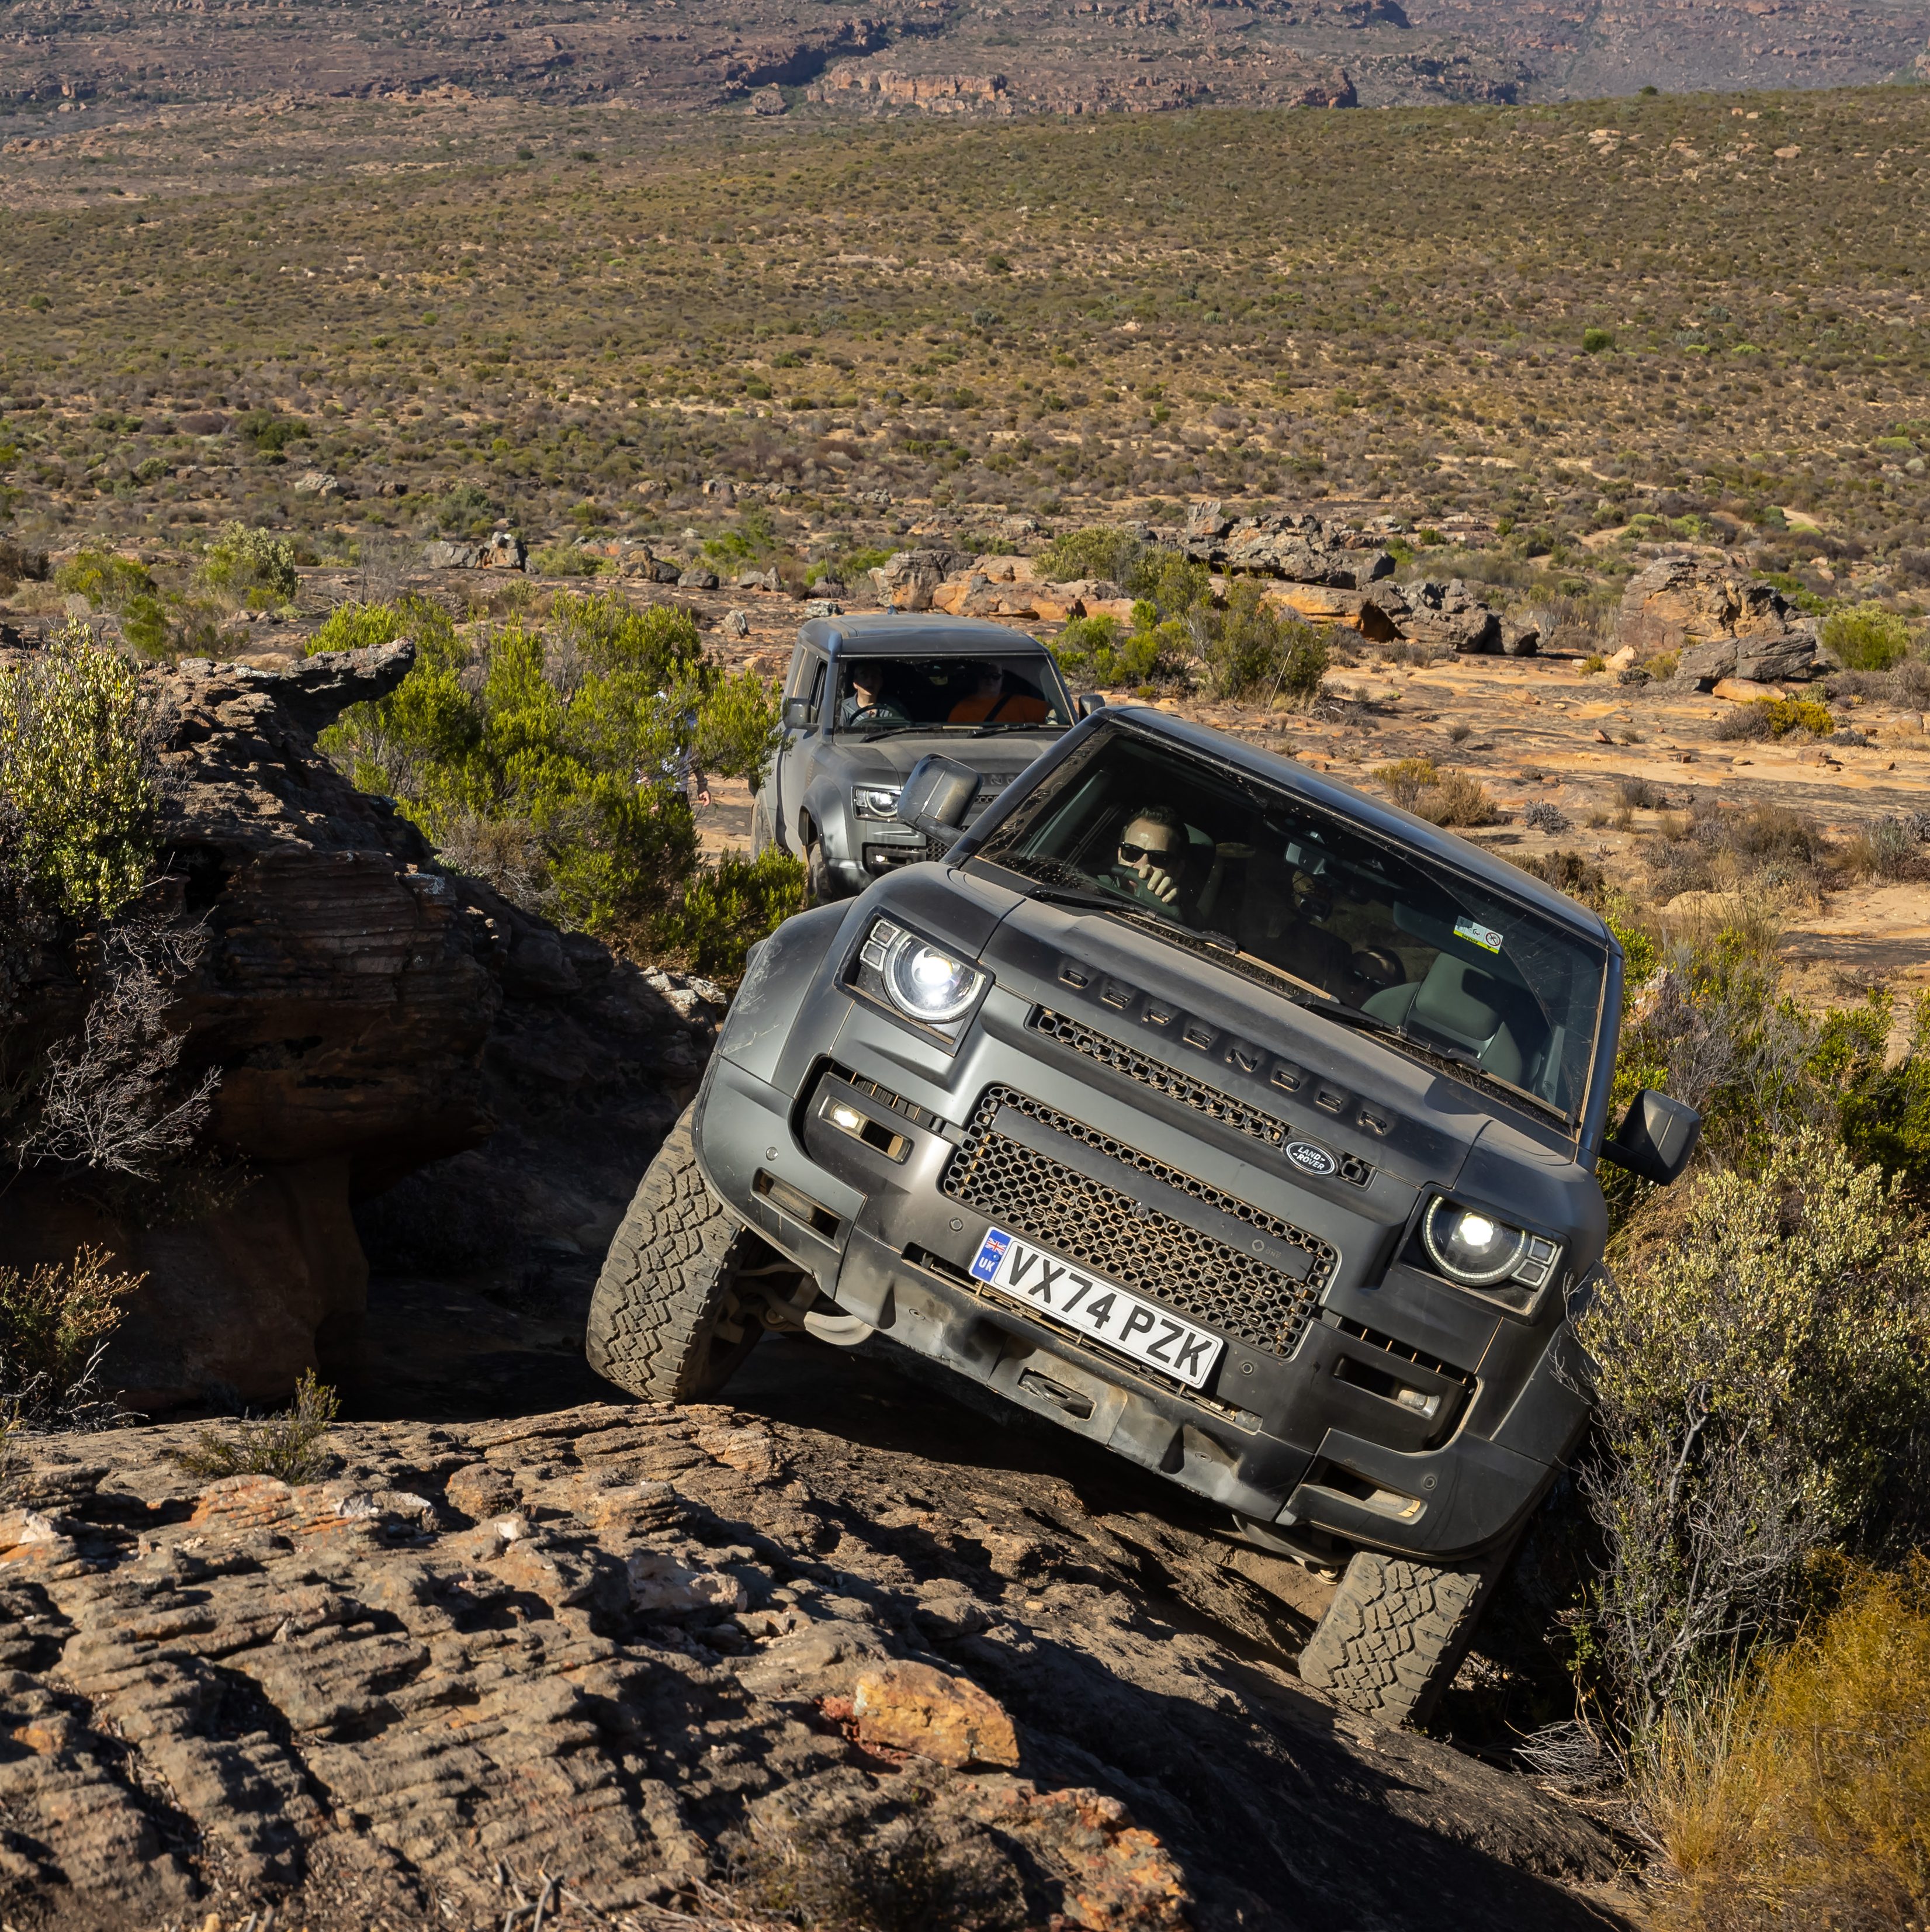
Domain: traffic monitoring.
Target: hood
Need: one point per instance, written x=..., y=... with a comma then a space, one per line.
x=888, y=760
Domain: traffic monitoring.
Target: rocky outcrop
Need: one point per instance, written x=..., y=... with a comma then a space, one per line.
x=1299, y=549
x=1720, y=623
x=368, y=1013
x=502, y=550
x=604, y=1657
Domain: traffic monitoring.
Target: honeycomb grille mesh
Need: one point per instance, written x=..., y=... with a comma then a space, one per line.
x=1254, y=1122
x=1106, y=1229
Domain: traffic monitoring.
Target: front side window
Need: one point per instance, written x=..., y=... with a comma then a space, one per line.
x=967, y=694
x=1331, y=912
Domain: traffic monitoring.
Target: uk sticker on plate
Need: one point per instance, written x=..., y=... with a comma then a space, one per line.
x=1062, y=1292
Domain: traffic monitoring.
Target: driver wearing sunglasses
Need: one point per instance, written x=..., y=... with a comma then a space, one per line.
x=1154, y=857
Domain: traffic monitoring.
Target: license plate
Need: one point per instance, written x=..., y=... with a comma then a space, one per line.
x=1094, y=1306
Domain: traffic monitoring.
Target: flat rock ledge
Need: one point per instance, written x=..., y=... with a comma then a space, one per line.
x=642, y=1666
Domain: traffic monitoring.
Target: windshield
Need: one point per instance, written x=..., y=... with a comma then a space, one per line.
x=1319, y=905
x=969, y=693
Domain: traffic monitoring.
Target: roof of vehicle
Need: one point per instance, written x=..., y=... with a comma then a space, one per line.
x=1387, y=820
x=935, y=635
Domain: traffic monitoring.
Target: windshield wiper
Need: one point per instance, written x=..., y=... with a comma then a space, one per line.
x=891, y=724
x=1428, y=1049
x=1066, y=896
x=1016, y=724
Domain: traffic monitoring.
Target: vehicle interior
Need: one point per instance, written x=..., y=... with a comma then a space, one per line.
x=884, y=693
x=1325, y=905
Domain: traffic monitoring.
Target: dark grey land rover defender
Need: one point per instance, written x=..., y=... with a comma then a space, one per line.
x=1242, y=1124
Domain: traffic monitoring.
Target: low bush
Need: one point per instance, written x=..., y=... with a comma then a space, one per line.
x=566, y=560
x=1775, y=717
x=1406, y=779
x=1251, y=650
x=1458, y=800
x=55, y=1323
x=1100, y=551
x=111, y=582
x=1866, y=637
x=726, y=908
x=253, y=567
x=1801, y=1794
x=78, y=778
x=289, y=1445
x=1100, y=651
x=1762, y=1370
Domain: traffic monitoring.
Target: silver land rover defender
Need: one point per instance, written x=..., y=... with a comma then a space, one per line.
x=1243, y=1125
x=866, y=698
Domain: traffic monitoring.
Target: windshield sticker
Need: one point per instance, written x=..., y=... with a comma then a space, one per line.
x=1485, y=937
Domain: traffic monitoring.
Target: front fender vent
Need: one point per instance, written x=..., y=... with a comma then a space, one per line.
x=1216, y=1105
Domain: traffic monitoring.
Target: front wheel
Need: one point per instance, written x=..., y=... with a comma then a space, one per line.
x=665, y=1321
x=763, y=837
x=1395, y=1633
x=820, y=889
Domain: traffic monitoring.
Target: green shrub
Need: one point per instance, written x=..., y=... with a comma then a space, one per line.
x=269, y=430
x=253, y=566
x=1100, y=652
x=1866, y=637
x=1098, y=551
x=726, y=908
x=354, y=627
x=111, y=582
x=78, y=795
x=289, y=1445
x=55, y=1320
x=1885, y=1109
x=1406, y=778
x=1597, y=341
x=571, y=740
x=1762, y=1358
x=566, y=560
x=1252, y=650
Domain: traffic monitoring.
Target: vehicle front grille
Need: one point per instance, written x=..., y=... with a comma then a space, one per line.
x=1106, y=1228
x=1254, y=1122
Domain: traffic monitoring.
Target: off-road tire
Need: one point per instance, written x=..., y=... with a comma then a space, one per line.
x=1395, y=1633
x=666, y=1286
x=762, y=838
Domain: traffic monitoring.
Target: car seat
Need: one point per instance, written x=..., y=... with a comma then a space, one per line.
x=1461, y=1004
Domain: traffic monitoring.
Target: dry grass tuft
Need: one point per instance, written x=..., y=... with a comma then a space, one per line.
x=288, y=1445
x=1803, y=1798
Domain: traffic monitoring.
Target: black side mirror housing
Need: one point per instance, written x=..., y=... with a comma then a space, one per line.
x=1655, y=1138
x=938, y=793
x=797, y=714
x=1088, y=702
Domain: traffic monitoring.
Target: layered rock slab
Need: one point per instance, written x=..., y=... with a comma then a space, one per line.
x=637, y=1650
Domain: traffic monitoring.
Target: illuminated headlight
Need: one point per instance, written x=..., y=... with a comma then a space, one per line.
x=923, y=981
x=1477, y=1250
x=875, y=801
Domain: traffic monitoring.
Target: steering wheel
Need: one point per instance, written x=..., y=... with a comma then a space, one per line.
x=869, y=711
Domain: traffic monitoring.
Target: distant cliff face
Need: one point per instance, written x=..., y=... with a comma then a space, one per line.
x=956, y=56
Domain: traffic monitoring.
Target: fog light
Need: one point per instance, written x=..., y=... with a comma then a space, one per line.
x=848, y=1118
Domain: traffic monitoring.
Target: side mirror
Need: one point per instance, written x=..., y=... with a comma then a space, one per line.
x=1655, y=1138
x=1088, y=702
x=797, y=714
x=936, y=796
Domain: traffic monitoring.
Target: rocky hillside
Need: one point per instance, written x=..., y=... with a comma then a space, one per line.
x=645, y=1667
x=953, y=56
x=367, y=1014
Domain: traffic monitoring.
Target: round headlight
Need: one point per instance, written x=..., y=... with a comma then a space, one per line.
x=1471, y=1247
x=928, y=984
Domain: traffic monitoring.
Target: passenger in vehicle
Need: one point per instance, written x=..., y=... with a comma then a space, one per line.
x=991, y=703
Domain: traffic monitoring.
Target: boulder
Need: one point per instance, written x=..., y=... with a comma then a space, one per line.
x=1520, y=637
x=444, y=555
x=502, y=550
x=907, y=580
x=1722, y=623
x=1451, y=615
x=317, y=483
x=913, y=1707
x=697, y=577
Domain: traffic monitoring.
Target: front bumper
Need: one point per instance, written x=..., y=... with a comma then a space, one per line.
x=1355, y=1434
